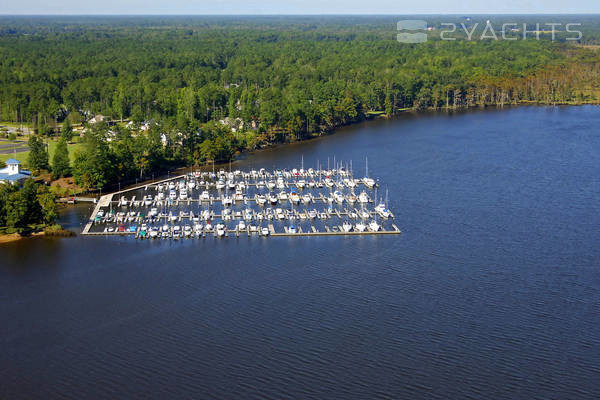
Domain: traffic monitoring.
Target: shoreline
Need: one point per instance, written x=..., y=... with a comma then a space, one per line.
x=15, y=237
x=315, y=135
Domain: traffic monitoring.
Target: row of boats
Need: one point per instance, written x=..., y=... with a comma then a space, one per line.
x=228, y=214
x=220, y=229
x=261, y=199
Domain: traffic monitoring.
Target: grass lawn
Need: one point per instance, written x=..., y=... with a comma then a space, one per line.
x=51, y=148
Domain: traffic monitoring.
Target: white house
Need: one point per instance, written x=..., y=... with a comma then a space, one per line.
x=96, y=119
x=13, y=173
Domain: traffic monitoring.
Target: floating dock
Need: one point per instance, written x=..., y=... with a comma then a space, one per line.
x=253, y=203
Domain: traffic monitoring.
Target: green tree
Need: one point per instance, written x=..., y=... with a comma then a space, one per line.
x=47, y=202
x=29, y=192
x=5, y=191
x=67, y=131
x=38, y=156
x=93, y=166
x=60, y=161
x=16, y=212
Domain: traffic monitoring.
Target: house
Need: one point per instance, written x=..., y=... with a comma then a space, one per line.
x=235, y=124
x=13, y=173
x=96, y=119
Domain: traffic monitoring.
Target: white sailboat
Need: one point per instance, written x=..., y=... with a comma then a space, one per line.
x=368, y=182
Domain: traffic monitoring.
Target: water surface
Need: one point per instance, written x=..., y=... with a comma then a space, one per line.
x=491, y=292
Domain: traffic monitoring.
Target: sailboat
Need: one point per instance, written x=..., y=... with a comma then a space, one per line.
x=347, y=226
x=368, y=182
x=382, y=208
x=360, y=226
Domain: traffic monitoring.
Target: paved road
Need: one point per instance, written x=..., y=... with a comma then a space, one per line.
x=7, y=147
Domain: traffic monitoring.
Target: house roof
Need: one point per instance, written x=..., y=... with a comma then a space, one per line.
x=15, y=177
x=12, y=161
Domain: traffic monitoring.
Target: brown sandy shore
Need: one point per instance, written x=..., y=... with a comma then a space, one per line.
x=13, y=237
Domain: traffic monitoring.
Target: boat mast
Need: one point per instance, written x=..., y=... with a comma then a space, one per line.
x=386, y=199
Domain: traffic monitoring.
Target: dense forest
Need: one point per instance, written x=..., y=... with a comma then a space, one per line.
x=27, y=209
x=205, y=87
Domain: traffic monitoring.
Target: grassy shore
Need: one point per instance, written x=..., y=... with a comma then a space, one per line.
x=23, y=156
x=49, y=231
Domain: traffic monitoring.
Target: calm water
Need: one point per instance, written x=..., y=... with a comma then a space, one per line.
x=492, y=292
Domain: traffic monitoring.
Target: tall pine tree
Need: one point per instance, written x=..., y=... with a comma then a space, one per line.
x=60, y=160
x=38, y=156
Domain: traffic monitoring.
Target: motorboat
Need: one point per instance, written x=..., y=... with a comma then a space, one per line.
x=261, y=200
x=272, y=198
x=183, y=195
x=294, y=198
x=279, y=213
x=363, y=197
x=239, y=194
x=338, y=196
x=227, y=201
x=220, y=229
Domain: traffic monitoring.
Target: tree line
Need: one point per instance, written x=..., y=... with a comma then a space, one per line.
x=26, y=209
x=210, y=87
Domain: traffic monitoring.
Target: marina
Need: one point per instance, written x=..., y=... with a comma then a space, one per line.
x=296, y=202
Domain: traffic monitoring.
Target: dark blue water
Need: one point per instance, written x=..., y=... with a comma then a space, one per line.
x=492, y=292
